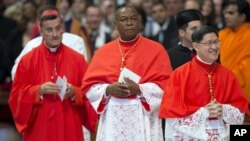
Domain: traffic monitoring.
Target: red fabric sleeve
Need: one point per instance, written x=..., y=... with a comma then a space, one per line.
x=78, y=95
x=89, y=115
x=22, y=98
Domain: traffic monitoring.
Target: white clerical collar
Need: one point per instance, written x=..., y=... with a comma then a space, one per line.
x=51, y=49
x=130, y=40
x=190, y=48
x=203, y=61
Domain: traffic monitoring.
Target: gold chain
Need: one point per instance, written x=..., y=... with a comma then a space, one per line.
x=209, y=76
x=125, y=55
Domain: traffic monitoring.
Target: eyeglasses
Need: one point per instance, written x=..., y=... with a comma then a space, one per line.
x=211, y=43
x=49, y=31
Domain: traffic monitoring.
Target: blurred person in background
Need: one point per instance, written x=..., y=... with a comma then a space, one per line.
x=235, y=54
x=248, y=1
x=42, y=2
x=192, y=4
x=168, y=33
x=64, y=8
x=151, y=26
x=29, y=10
x=94, y=18
x=219, y=21
x=15, y=13
x=6, y=24
x=15, y=40
x=187, y=22
x=208, y=12
x=21, y=13
x=7, y=3
x=173, y=7
x=135, y=3
x=76, y=24
x=108, y=8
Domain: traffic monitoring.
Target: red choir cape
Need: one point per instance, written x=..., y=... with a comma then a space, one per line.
x=50, y=119
x=188, y=90
x=148, y=59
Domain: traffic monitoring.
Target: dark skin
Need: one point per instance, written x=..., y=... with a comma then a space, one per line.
x=127, y=24
x=128, y=88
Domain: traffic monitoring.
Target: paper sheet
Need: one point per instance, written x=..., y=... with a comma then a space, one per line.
x=130, y=74
x=62, y=85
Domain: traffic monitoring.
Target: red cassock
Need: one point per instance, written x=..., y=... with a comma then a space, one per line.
x=147, y=59
x=188, y=90
x=50, y=119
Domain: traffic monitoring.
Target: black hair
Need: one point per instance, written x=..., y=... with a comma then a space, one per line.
x=242, y=7
x=186, y=16
x=125, y=7
x=159, y=3
x=199, y=33
x=30, y=1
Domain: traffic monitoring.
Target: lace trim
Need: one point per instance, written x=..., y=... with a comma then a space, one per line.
x=128, y=121
x=153, y=95
x=96, y=93
x=198, y=127
x=232, y=115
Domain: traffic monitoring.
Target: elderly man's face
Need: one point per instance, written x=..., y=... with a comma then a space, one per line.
x=52, y=30
x=127, y=23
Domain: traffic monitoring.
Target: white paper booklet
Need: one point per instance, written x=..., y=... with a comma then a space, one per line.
x=128, y=73
x=62, y=85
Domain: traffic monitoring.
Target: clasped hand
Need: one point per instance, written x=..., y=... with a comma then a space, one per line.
x=129, y=87
x=215, y=109
x=52, y=88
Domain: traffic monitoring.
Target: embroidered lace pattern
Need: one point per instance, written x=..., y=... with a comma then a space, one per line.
x=232, y=115
x=129, y=122
x=197, y=127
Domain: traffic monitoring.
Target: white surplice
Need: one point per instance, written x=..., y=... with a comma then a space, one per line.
x=197, y=127
x=126, y=119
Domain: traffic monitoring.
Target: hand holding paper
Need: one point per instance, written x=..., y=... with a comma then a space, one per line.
x=129, y=74
x=131, y=80
x=62, y=85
